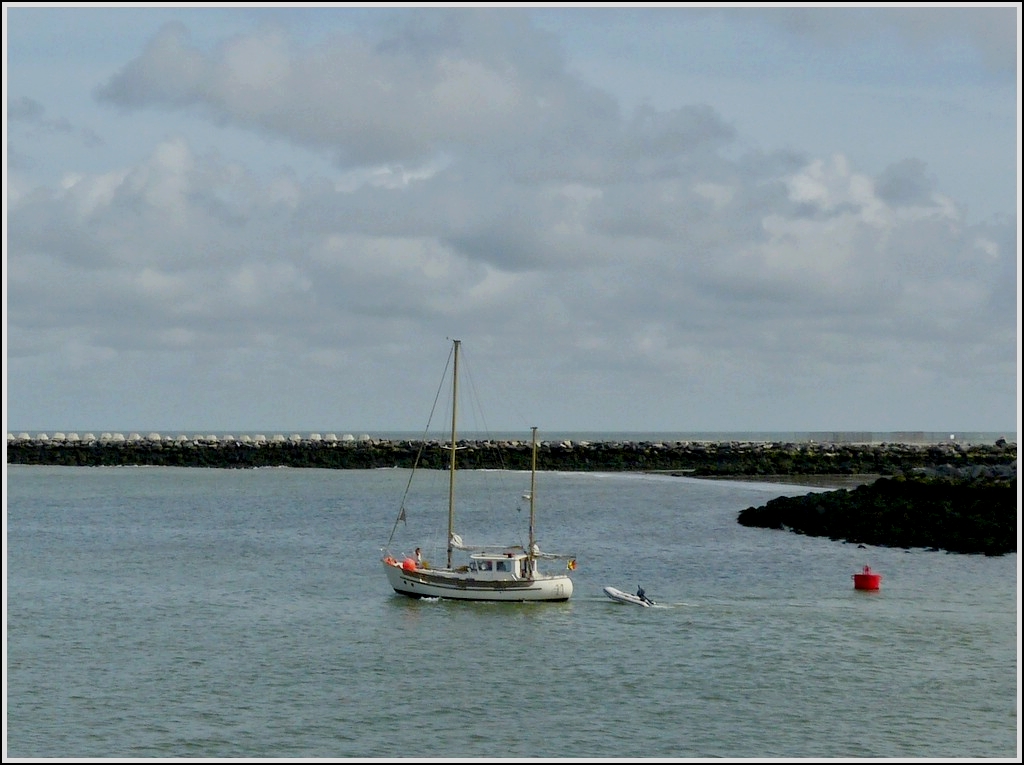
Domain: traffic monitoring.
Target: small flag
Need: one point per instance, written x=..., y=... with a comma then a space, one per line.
x=571, y=565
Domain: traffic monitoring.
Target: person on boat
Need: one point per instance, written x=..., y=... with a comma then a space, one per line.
x=419, y=558
x=640, y=594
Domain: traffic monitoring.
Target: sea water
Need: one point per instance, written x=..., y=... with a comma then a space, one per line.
x=172, y=613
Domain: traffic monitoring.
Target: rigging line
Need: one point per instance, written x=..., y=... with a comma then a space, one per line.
x=498, y=487
x=477, y=407
x=508, y=390
x=419, y=452
x=471, y=404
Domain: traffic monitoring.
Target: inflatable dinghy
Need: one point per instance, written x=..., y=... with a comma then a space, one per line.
x=625, y=597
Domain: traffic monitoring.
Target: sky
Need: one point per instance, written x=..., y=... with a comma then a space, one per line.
x=635, y=218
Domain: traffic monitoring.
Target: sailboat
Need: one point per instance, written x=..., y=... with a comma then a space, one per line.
x=488, y=572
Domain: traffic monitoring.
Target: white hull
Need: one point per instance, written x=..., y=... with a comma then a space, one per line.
x=625, y=597
x=457, y=585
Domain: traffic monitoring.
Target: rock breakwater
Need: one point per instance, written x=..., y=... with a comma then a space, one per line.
x=972, y=515
x=706, y=459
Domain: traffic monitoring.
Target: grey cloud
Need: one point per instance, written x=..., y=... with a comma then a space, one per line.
x=496, y=37
x=31, y=113
x=534, y=211
x=24, y=109
x=989, y=31
x=372, y=103
x=168, y=72
x=267, y=289
x=905, y=183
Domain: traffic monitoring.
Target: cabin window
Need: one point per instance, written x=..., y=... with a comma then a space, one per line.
x=502, y=566
x=485, y=565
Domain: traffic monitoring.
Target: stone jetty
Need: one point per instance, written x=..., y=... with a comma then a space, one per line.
x=951, y=496
x=955, y=514
x=703, y=458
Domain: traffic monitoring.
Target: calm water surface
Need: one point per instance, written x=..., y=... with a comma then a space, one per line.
x=162, y=612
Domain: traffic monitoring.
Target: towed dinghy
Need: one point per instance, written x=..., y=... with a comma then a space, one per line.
x=640, y=599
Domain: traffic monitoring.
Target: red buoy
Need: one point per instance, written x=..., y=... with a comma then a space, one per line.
x=867, y=580
x=409, y=564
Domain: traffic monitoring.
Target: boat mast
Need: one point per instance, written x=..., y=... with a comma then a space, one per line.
x=451, y=466
x=533, y=487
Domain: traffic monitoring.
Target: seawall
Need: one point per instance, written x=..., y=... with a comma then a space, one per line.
x=732, y=458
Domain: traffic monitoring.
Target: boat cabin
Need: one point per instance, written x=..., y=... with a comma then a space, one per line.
x=499, y=566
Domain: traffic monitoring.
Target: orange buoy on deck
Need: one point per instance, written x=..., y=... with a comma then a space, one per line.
x=867, y=580
x=409, y=564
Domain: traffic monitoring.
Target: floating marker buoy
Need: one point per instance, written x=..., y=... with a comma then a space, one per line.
x=867, y=580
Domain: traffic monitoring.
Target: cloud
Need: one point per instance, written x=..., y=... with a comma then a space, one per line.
x=991, y=33
x=905, y=182
x=31, y=114
x=190, y=247
x=482, y=189
x=401, y=99
x=25, y=109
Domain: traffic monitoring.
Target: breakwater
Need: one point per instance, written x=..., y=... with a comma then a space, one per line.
x=708, y=459
x=962, y=516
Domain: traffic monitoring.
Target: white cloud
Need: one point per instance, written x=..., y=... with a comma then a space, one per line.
x=635, y=268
